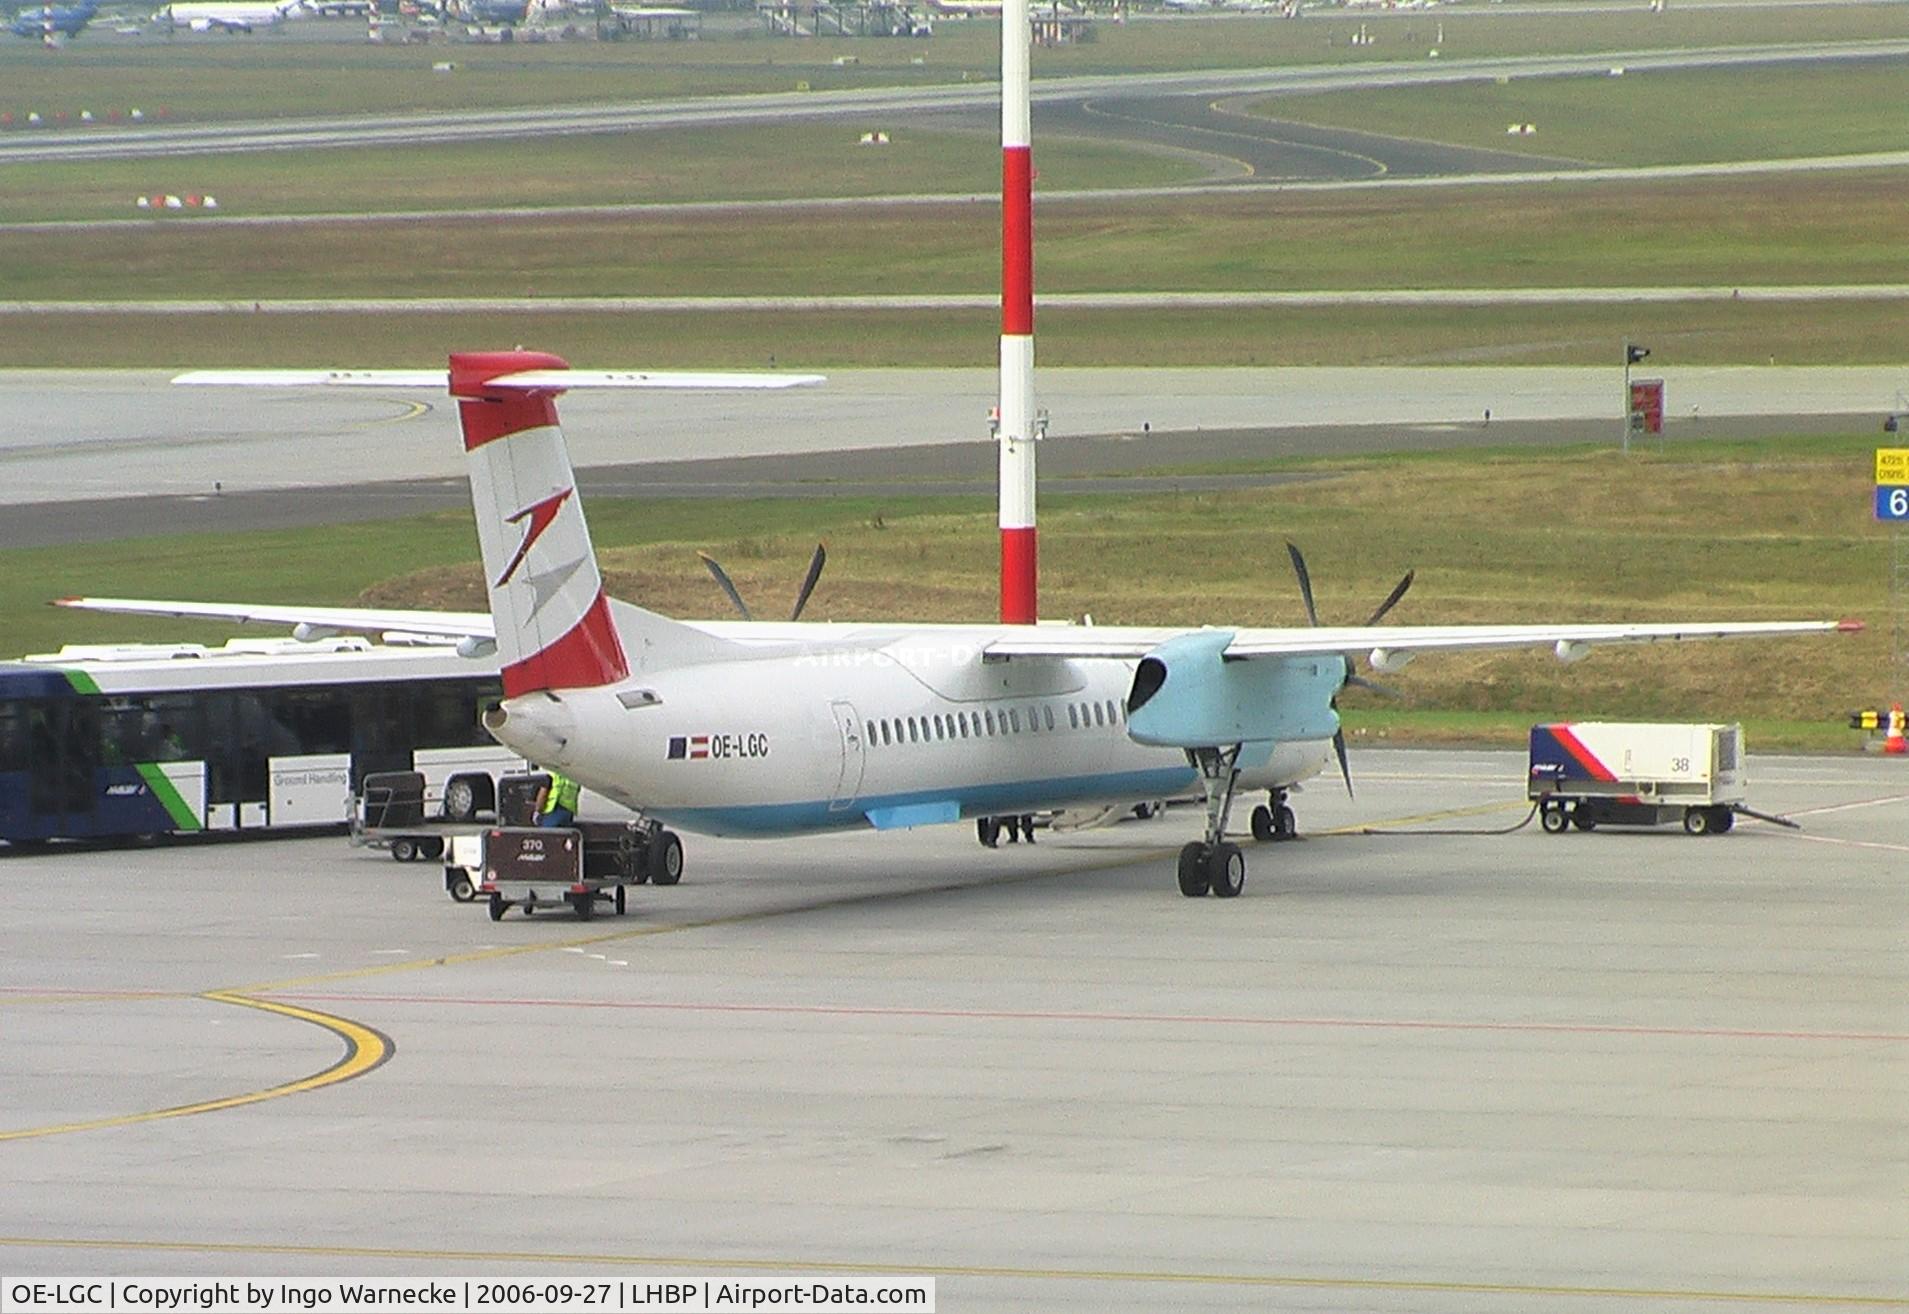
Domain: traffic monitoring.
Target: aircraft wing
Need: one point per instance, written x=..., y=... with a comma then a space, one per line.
x=445, y=626
x=1568, y=642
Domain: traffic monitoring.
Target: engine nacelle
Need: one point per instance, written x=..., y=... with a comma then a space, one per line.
x=1389, y=661
x=1186, y=694
x=1571, y=650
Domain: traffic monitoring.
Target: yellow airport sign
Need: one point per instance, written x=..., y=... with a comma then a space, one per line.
x=1892, y=465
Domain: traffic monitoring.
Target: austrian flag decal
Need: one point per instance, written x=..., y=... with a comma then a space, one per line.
x=693, y=747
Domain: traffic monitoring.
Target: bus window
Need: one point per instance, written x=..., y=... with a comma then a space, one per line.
x=318, y=720
x=13, y=739
x=444, y=715
x=63, y=748
x=171, y=729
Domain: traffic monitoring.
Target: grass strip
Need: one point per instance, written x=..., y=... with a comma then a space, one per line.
x=1701, y=333
x=1778, y=229
x=1744, y=530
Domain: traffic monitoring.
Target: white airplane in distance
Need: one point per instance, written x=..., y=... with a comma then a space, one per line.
x=766, y=729
x=227, y=15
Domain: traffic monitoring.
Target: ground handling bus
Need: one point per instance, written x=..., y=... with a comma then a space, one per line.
x=260, y=735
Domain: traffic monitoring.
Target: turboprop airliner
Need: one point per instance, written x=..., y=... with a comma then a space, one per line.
x=781, y=728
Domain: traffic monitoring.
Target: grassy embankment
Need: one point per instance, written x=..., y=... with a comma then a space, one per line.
x=1777, y=230
x=275, y=74
x=1738, y=531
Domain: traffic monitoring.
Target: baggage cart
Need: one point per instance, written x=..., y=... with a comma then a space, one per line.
x=580, y=866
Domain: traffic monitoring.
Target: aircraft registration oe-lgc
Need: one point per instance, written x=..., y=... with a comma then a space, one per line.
x=779, y=728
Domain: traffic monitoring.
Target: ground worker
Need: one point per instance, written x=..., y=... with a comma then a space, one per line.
x=557, y=801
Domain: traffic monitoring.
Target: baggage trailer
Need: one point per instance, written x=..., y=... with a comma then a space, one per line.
x=1592, y=773
x=394, y=810
x=592, y=862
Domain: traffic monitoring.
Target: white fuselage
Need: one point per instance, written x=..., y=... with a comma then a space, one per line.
x=896, y=728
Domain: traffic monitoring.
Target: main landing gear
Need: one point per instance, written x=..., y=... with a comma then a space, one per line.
x=1215, y=864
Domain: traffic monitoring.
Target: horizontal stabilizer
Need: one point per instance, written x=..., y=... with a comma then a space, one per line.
x=528, y=380
x=445, y=626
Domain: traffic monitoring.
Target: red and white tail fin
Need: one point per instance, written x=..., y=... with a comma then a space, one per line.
x=554, y=627
x=546, y=594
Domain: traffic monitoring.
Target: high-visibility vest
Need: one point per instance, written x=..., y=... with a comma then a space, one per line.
x=562, y=793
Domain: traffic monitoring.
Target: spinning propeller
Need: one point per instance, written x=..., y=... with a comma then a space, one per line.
x=1352, y=677
x=801, y=598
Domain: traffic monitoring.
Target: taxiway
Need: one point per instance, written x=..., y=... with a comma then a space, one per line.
x=1407, y=1070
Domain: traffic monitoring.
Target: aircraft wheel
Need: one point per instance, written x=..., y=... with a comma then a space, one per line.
x=1264, y=828
x=666, y=858
x=1285, y=824
x=988, y=831
x=1193, y=877
x=1554, y=820
x=497, y=907
x=1698, y=821
x=1226, y=870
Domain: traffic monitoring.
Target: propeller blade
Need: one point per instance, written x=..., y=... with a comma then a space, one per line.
x=1360, y=682
x=1392, y=599
x=808, y=582
x=1345, y=768
x=722, y=578
x=1305, y=583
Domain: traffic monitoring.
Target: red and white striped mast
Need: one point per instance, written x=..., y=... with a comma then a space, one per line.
x=1019, y=557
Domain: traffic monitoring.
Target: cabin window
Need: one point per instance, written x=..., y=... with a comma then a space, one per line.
x=1073, y=717
x=1047, y=715
x=1014, y=719
x=871, y=734
x=961, y=723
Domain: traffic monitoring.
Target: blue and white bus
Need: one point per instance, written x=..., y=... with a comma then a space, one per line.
x=257, y=735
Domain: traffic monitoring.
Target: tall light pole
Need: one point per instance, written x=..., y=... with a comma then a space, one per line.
x=1017, y=435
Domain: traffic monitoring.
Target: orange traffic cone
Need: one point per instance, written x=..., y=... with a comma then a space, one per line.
x=1895, y=742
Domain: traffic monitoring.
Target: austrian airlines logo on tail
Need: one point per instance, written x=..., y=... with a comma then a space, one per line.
x=540, y=514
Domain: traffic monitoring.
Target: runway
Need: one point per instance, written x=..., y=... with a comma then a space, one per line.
x=959, y=99
x=104, y=442
x=1616, y=1071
